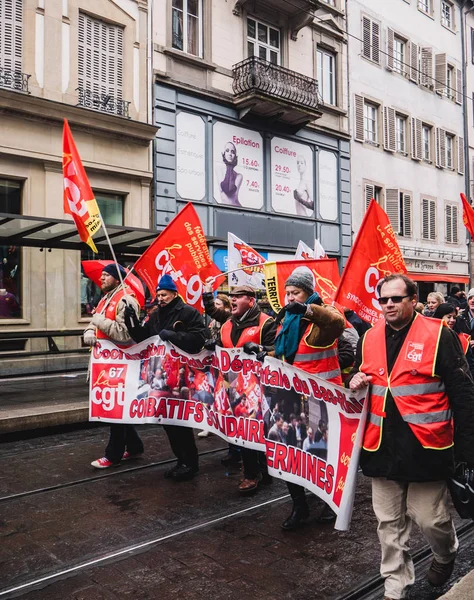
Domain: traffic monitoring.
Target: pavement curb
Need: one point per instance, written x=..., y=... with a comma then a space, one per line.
x=462, y=590
x=48, y=418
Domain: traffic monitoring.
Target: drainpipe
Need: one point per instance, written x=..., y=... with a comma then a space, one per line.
x=150, y=111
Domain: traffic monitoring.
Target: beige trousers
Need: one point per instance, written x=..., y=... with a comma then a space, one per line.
x=396, y=506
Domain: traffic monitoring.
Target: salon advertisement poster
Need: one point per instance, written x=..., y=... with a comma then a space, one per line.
x=292, y=178
x=238, y=166
x=190, y=156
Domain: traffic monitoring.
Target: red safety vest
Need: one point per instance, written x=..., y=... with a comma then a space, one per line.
x=249, y=334
x=320, y=360
x=418, y=392
x=111, y=309
x=464, y=338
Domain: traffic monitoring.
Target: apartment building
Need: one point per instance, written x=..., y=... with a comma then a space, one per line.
x=407, y=148
x=251, y=98
x=86, y=61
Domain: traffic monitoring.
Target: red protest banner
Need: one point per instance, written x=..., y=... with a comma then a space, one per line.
x=467, y=215
x=181, y=252
x=374, y=255
x=325, y=274
x=79, y=199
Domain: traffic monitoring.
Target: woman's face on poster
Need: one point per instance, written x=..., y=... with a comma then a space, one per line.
x=229, y=152
x=301, y=164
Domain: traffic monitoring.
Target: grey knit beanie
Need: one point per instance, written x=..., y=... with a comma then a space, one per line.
x=302, y=278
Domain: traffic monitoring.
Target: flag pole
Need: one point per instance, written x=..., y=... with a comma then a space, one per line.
x=238, y=269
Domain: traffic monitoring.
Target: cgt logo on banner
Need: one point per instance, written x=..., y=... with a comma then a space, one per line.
x=237, y=397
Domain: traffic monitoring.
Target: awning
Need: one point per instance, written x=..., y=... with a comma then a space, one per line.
x=439, y=277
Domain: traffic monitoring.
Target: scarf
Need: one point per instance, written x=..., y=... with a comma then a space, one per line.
x=286, y=343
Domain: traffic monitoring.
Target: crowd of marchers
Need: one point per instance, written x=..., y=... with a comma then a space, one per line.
x=414, y=367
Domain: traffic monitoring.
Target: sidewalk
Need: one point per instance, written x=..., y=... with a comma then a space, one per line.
x=462, y=590
x=43, y=401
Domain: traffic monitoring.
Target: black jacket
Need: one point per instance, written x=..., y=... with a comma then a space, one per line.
x=184, y=324
x=463, y=325
x=400, y=456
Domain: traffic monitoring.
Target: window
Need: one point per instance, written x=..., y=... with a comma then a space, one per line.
x=399, y=52
x=426, y=143
x=100, y=58
x=447, y=14
x=398, y=206
x=371, y=39
x=428, y=226
x=472, y=45
x=187, y=26
x=111, y=207
x=400, y=133
x=327, y=76
x=10, y=256
x=11, y=35
x=372, y=191
x=451, y=218
x=263, y=41
x=450, y=82
x=370, y=123
x=425, y=6
x=449, y=151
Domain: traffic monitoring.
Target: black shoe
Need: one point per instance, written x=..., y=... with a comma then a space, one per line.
x=298, y=515
x=327, y=516
x=183, y=473
x=231, y=461
x=439, y=573
x=170, y=472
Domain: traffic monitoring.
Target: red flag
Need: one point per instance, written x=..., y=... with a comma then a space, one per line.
x=325, y=274
x=181, y=252
x=375, y=254
x=468, y=215
x=79, y=199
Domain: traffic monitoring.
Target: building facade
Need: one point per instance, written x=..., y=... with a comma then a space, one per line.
x=87, y=61
x=407, y=148
x=251, y=99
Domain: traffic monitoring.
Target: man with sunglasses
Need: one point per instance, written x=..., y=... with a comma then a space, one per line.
x=418, y=380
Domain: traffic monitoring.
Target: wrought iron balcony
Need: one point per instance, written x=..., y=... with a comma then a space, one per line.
x=267, y=89
x=14, y=80
x=102, y=102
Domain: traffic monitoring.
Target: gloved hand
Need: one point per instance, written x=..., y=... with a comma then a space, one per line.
x=252, y=348
x=210, y=345
x=130, y=318
x=98, y=320
x=89, y=338
x=296, y=308
x=208, y=285
x=165, y=334
x=261, y=355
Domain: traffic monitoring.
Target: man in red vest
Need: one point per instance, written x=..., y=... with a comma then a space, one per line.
x=108, y=324
x=418, y=381
x=253, y=331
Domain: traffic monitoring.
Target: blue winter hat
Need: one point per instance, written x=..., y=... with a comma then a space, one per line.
x=167, y=283
x=112, y=270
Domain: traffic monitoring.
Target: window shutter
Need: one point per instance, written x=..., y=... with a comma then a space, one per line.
x=358, y=118
x=425, y=221
x=454, y=213
x=426, y=78
x=460, y=155
x=432, y=221
x=390, y=41
x=11, y=35
x=458, y=86
x=414, y=68
x=366, y=38
x=369, y=193
x=375, y=42
x=392, y=207
x=407, y=215
x=441, y=73
x=440, y=148
x=389, y=142
x=416, y=139
x=448, y=223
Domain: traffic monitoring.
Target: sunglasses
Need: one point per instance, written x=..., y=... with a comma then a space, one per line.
x=395, y=299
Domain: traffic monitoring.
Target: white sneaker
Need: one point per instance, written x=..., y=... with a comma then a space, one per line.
x=203, y=434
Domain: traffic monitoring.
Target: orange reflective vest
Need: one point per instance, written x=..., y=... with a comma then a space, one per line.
x=464, y=338
x=320, y=360
x=111, y=309
x=417, y=391
x=249, y=334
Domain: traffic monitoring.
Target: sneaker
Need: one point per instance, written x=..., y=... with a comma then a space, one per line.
x=104, y=463
x=439, y=573
x=203, y=434
x=127, y=455
x=183, y=473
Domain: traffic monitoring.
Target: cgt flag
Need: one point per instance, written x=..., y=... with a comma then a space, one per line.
x=248, y=262
x=468, y=215
x=181, y=252
x=79, y=199
x=304, y=252
x=325, y=275
x=374, y=255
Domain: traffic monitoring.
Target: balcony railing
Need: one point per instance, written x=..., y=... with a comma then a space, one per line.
x=14, y=80
x=258, y=76
x=102, y=102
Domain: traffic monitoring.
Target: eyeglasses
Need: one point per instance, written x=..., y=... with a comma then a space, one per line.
x=395, y=299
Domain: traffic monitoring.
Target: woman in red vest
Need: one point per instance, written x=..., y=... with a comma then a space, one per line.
x=308, y=340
